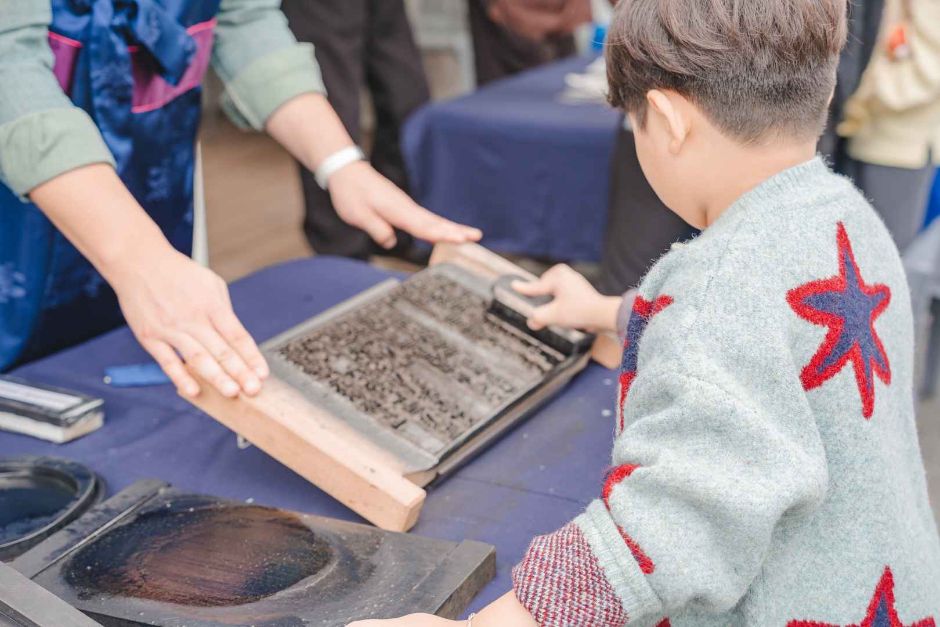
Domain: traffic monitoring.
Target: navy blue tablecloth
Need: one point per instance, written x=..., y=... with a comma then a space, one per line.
x=514, y=160
x=531, y=482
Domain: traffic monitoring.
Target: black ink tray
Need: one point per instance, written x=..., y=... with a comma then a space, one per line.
x=155, y=555
x=39, y=496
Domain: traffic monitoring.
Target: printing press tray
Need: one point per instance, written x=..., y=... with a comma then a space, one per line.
x=391, y=390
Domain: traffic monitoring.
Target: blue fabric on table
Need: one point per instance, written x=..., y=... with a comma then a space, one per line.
x=528, y=169
x=531, y=482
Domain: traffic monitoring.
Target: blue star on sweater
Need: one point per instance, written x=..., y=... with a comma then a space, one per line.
x=848, y=307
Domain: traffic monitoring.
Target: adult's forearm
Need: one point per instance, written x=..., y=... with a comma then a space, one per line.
x=95, y=211
x=177, y=309
x=308, y=127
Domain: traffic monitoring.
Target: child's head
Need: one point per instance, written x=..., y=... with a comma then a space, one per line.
x=705, y=81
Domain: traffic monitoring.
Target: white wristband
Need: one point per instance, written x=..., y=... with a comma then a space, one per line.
x=336, y=162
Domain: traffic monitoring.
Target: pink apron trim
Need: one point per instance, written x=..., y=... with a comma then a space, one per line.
x=151, y=91
x=65, y=51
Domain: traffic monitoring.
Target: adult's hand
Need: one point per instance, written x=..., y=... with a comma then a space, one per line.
x=366, y=199
x=180, y=311
x=177, y=309
x=308, y=127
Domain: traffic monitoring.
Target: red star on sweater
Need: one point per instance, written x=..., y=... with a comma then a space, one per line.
x=881, y=610
x=848, y=307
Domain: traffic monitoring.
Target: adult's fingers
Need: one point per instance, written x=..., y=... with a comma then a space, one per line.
x=412, y=218
x=376, y=226
x=238, y=337
x=198, y=357
x=227, y=356
x=172, y=365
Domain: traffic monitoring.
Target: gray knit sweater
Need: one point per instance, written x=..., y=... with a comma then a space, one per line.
x=766, y=464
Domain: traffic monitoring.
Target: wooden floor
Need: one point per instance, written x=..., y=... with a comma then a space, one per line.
x=254, y=206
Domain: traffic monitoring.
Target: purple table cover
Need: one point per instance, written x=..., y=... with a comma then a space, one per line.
x=531, y=482
x=511, y=158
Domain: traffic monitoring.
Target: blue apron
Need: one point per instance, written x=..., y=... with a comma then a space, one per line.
x=135, y=66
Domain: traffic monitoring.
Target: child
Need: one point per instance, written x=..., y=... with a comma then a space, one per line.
x=766, y=469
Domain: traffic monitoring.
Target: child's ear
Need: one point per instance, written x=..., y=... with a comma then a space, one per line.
x=672, y=117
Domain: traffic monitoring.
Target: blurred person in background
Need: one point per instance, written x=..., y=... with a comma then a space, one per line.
x=510, y=36
x=361, y=44
x=890, y=125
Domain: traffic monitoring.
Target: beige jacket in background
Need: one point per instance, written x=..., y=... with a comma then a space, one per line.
x=893, y=119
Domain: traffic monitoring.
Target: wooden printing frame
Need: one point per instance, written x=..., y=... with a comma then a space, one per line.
x=342, y=462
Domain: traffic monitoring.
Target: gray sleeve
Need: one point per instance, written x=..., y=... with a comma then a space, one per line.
x=42, y=134
x=260, y=62
x=697, y=463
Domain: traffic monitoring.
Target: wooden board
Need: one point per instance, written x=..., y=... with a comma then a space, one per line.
x=322, y=449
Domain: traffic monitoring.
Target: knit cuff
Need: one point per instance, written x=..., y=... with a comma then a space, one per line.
x=38, y=147
x=560, y=582
x=260, y=89
x=620, y=560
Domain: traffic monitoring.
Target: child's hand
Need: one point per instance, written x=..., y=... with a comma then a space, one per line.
x=575, y=303
x=412, y=620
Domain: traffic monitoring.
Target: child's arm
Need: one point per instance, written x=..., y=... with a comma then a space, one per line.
x=575, y=303
x=704, y=474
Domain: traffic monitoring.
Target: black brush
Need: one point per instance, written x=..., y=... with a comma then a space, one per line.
x=514, y=308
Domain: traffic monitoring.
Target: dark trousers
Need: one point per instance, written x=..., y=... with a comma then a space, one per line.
x=359, y=43
x=640, y=228
x=499, y=52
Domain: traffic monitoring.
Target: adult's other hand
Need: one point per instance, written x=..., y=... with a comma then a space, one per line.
x=366, y=199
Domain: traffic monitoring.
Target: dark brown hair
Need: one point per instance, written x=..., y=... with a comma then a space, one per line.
x=754, y=67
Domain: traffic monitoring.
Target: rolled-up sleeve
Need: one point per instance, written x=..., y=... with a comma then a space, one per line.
x=42, y=134
x=260, y=62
